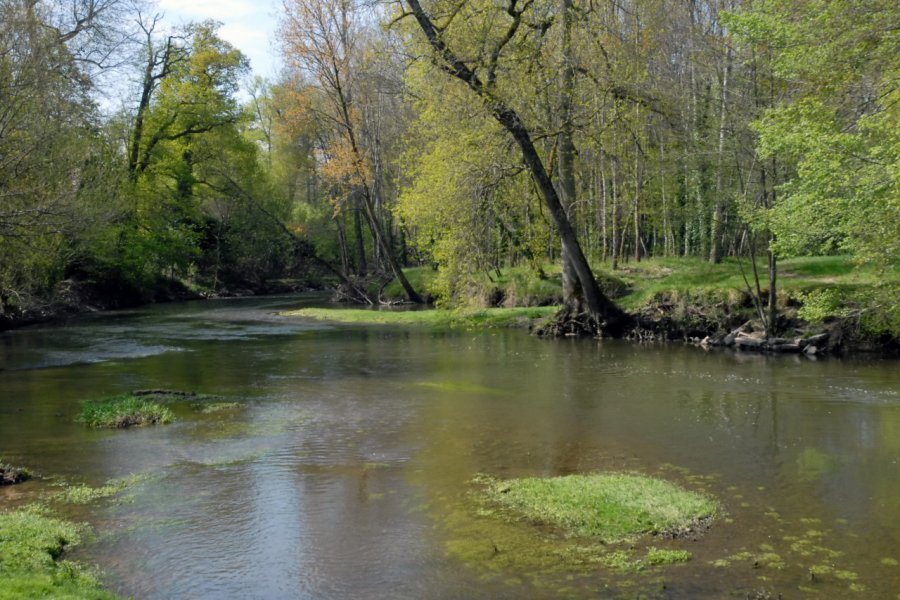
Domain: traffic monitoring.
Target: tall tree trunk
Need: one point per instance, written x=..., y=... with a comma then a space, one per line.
x=715, y=254
x=614, y=216
x=359, y=240
x=342, y=241
x=566, y=154
x=638, y=185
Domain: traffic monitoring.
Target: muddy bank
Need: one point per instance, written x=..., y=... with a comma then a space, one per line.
x=726, y=321
x=10, y=475
x=71, y=298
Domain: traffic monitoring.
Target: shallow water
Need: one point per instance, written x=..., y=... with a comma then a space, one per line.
x=345, y=471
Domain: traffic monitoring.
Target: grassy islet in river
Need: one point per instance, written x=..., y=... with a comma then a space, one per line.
x=124, y=411
x=612, y=507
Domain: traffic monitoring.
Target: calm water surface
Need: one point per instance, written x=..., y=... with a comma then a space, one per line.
x=345, y=471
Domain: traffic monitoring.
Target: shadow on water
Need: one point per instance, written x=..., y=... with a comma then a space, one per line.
x=344, y=470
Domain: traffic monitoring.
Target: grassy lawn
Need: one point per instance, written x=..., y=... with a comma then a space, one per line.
x=651, y=277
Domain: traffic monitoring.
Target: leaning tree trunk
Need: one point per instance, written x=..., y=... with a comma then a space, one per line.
x=610, y=317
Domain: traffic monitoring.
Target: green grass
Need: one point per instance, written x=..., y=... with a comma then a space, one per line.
x=434, y=318
x=612, y=507
x=651, y=277
x=31, y=544
x=124, y=411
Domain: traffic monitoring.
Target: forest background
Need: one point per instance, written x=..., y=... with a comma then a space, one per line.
x=672, y=133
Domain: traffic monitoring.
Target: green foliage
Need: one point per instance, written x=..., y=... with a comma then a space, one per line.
x=466, y=202
x=820, y=304
x=840, y=130
x=613, y=507
x=31, y=543
x=123, y=412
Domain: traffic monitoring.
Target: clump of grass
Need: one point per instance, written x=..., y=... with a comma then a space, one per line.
x=614, y=507
x=124, y=411
x=31, y=544
x=10, y=474
x=658, y=556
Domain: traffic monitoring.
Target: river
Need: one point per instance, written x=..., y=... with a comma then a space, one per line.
x=345, y=470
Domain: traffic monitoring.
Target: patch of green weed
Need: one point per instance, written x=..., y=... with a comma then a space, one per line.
x=124, y=411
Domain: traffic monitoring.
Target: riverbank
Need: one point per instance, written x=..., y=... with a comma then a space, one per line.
x=72, y=297
x=826, y=305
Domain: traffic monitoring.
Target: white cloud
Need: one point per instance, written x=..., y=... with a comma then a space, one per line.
x=248, y=24
x=255, y=43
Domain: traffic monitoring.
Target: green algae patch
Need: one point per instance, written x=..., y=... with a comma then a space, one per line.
x=611, y=507
x=122, y=412
x=84, y=494
x=32, y=542
x=461, y=386
x=435, y=318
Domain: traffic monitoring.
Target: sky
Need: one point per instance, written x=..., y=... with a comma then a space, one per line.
x=248, y=24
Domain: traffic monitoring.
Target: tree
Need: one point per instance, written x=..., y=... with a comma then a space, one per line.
x=322, y=39
x=482, y=79
x=52, y=151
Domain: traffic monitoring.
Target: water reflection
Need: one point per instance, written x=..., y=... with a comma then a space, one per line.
x=352, y=448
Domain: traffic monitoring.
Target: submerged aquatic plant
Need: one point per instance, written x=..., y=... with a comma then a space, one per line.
x=85, y=494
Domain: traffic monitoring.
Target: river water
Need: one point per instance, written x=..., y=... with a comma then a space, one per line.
x=345, y=470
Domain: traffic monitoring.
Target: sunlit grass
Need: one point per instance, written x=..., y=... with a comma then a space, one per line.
x=651, y=277
x=31, y=544
x=434, y=318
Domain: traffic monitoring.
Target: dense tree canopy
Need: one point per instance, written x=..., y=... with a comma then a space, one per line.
x=464, y=135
